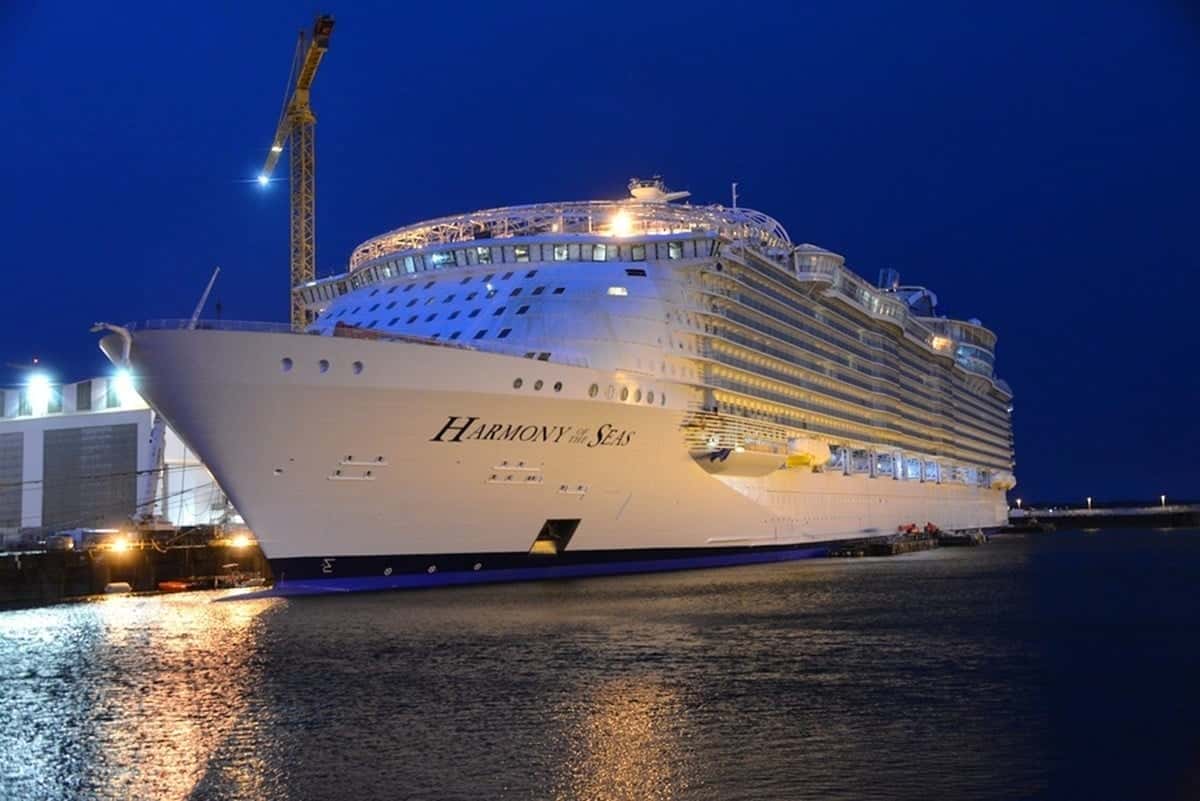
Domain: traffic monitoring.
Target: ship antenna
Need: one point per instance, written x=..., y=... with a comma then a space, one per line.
x=733, y=190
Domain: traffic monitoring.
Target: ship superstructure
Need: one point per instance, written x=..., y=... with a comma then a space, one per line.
x=586, y=387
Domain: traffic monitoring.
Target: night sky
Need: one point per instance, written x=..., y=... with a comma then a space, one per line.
x=1037, y=165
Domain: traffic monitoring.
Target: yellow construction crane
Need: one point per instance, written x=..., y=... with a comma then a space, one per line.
x=296, y=123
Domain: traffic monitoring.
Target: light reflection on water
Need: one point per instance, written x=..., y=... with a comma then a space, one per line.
x=125, y=697
x=1007, y=671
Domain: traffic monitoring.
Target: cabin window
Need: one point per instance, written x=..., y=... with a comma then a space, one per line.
x=638, y=252
x=480, y=334
x=560, y=252
x=521, y=252
x=599, y=252
x=674, y=250
x=504, y=332
x=484, y=255
x=522, y=310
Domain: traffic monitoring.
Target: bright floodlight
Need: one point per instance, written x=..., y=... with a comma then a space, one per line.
x=39, y=393
x=126, y=394
x=263, y=180
x=621, y=224
x=276, y=148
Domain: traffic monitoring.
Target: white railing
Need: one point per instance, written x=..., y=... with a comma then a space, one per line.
x=211, y=325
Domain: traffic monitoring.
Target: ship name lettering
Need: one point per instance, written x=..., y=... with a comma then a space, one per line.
x=453, y=425
x=459, y=429
x=610, y=435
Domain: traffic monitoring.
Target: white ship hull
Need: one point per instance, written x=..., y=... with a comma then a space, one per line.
x=427, y=466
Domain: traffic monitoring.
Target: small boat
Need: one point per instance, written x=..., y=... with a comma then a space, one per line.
x=117, y=587
x=177, y=585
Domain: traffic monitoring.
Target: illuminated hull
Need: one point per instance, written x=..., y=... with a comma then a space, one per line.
x=411, y=465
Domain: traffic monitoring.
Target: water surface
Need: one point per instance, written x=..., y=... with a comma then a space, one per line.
x=1048, y=666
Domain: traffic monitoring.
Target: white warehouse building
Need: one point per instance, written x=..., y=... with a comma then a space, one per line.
x=80, y=455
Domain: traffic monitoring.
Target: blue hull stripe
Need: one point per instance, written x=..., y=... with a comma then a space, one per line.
x=450, y=578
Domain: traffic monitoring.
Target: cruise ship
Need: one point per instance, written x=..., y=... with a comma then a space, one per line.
x=582, y=388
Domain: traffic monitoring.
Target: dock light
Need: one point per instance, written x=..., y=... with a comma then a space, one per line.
x=1018, y=503
x=1089, y=503
x=621, y=224
x=38, y=389
x=240, y=541
x=1162, y=499
x=120, y=544
x=126, y=394
x=263, y=180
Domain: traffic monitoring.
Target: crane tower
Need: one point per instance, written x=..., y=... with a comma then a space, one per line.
x=295, y=130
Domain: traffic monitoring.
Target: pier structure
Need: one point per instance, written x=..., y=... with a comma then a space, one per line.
x=1160, y=515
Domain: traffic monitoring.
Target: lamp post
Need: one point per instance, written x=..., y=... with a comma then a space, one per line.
x=1162, y=499
x=1018, y=503
x=1089, y=503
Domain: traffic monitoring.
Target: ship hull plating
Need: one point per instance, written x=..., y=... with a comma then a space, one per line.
x=374, y=465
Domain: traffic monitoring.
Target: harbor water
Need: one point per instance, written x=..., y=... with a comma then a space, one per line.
x=1054, y=666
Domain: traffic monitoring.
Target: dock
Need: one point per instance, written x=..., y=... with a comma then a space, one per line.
x=1049, y=518
x=32, y=577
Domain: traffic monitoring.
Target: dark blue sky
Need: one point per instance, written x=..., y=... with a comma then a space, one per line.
x=1035, y=164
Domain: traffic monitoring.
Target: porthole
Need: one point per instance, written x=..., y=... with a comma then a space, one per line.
x=517, y=383
x=286, y=364
x=650, y=396
x=558, y=386
x=637, y=396
x=358, y=367
x=593, y=390
x=538, y=384
x=323, y=365
x=624, y=393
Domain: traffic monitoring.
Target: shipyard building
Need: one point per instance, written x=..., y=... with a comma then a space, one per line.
x=81, y=455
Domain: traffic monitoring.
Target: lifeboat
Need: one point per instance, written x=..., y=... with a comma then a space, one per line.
x=741, y=461
x=1003, y=480
x=807, y=452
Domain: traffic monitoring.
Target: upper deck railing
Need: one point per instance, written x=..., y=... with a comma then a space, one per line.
x=603, y=217
x=210, y=325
